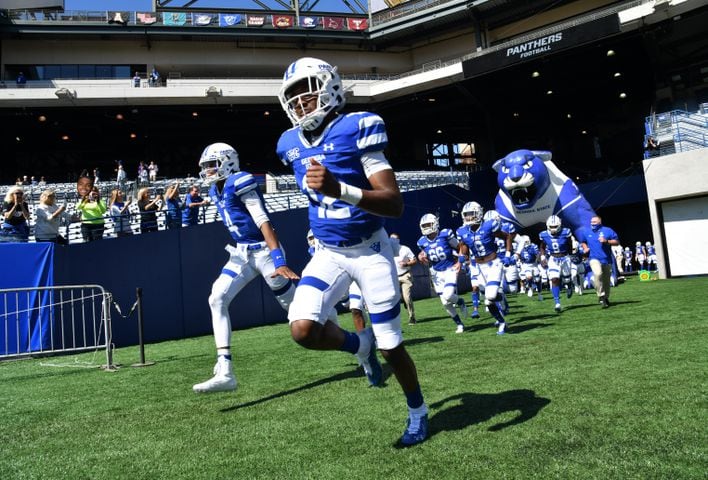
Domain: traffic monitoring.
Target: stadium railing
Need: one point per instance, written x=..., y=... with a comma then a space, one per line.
x=677, y=131
x=286, y=196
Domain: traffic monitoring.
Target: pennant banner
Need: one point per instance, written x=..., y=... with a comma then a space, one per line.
x=146, y=18
x=283, y=21
x=333, y=23
x=121, y=18
x=308, y=22
x=174, y=18
x=357, y=23
x=202, y=19
x=228, y=20
x=255, y=20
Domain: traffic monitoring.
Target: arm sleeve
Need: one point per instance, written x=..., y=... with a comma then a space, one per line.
x=374, y=162
x=255, y=207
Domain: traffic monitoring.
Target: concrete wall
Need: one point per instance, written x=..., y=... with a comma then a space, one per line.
x=672, y=177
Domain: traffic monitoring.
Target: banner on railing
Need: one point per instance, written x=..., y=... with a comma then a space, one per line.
x=229, y=20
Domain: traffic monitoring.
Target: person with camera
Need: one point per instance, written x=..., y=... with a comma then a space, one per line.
x=92, y=209
x=15, y=215
x=148, y=210
x=49, y=217
x=173, y=204
x=192, y=203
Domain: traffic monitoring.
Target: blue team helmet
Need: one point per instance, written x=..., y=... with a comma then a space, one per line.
x=218, y=161
x=315, y=78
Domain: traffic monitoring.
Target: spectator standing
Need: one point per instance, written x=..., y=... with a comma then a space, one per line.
x=42, y=182
x=148, y=210
x=597, y=242
x=121, y=176
x=405, y=259
x=92, y=209
x=152, y=171
x=49, y=217
x=154, y=78
x=173, y=216
x=21, y=80
x=119, y=213
x=136, y=80
x=142, y=173
x=15, y=215
x=96, y=175
x=192, y=202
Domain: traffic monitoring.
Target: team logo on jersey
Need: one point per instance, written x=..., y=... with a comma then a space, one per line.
x=308, y=161
x=293, y=153
x=328, y=147
x=376, y=247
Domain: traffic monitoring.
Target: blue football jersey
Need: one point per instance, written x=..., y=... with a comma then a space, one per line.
x=340, y=148
x=651, y=250
x=529, y=254
x=561, y=243
x=439, y=250
x=232, y=209
x=481, y=242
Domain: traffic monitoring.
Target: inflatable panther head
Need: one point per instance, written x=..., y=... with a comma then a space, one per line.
x=523, y=176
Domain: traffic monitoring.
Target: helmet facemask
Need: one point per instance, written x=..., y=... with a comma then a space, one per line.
x=218, y=161
x=308, y=81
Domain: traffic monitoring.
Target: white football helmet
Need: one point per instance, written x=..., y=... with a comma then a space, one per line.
x=491, y=215
x=638, y=244
x=554, y=224
x=429, y=224
x=320, y=79
x=648, y=244
x=218, y=161
x=310, y=238
x=472, y=213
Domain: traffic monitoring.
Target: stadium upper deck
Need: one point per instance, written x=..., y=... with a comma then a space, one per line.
x=440, y=72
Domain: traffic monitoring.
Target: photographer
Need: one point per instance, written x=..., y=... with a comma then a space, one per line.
x=15, y=215
x=148, y=210
x=173, y=204
x=92, y=209
x=192, y=203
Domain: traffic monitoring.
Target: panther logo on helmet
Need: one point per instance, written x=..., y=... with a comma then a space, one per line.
x=310, y=238
x=429, y=224
x=319, y=79
x=472, y=213
x=553, y=225
x=218, y=161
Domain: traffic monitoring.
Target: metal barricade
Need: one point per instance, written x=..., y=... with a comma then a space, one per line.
x=60, y=319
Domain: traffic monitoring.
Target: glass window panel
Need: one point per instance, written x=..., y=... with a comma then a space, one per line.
x=104, y=71
x=52, y=71
x=122, y=71
x=87, y=71
x=69, y=71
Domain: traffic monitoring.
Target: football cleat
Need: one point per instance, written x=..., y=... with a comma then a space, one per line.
x=223, y=380
x=368, y=360
x=558, y=307
x=501, y=329
x=416, y=430
x=460, y=329
x=530, y=293
x=475, y=313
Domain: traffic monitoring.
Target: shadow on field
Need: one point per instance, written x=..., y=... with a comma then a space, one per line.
x=334, y=378
x=473, y=408
x=418, y=341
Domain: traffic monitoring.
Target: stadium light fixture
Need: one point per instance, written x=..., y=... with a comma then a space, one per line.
x=617, y=74
x=212, y=92
x=65, y=94
x=623, y=95
x=549, y=92
x=610, y=53
x=536, y=74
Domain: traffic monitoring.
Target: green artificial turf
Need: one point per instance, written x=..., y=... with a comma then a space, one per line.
x=588, y=393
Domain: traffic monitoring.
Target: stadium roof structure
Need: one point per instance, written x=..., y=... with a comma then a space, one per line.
x=438, y=71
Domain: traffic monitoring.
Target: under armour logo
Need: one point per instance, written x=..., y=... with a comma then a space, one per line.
x=328, y=147
x=376, y=247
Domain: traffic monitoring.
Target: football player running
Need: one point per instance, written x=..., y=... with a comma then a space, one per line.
x=339, y=164
x=558, y=243
x=478, y=241
x=257, y=252
x=436, y=251
x=651, y=257
x=640, y=255
x=530, y=274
